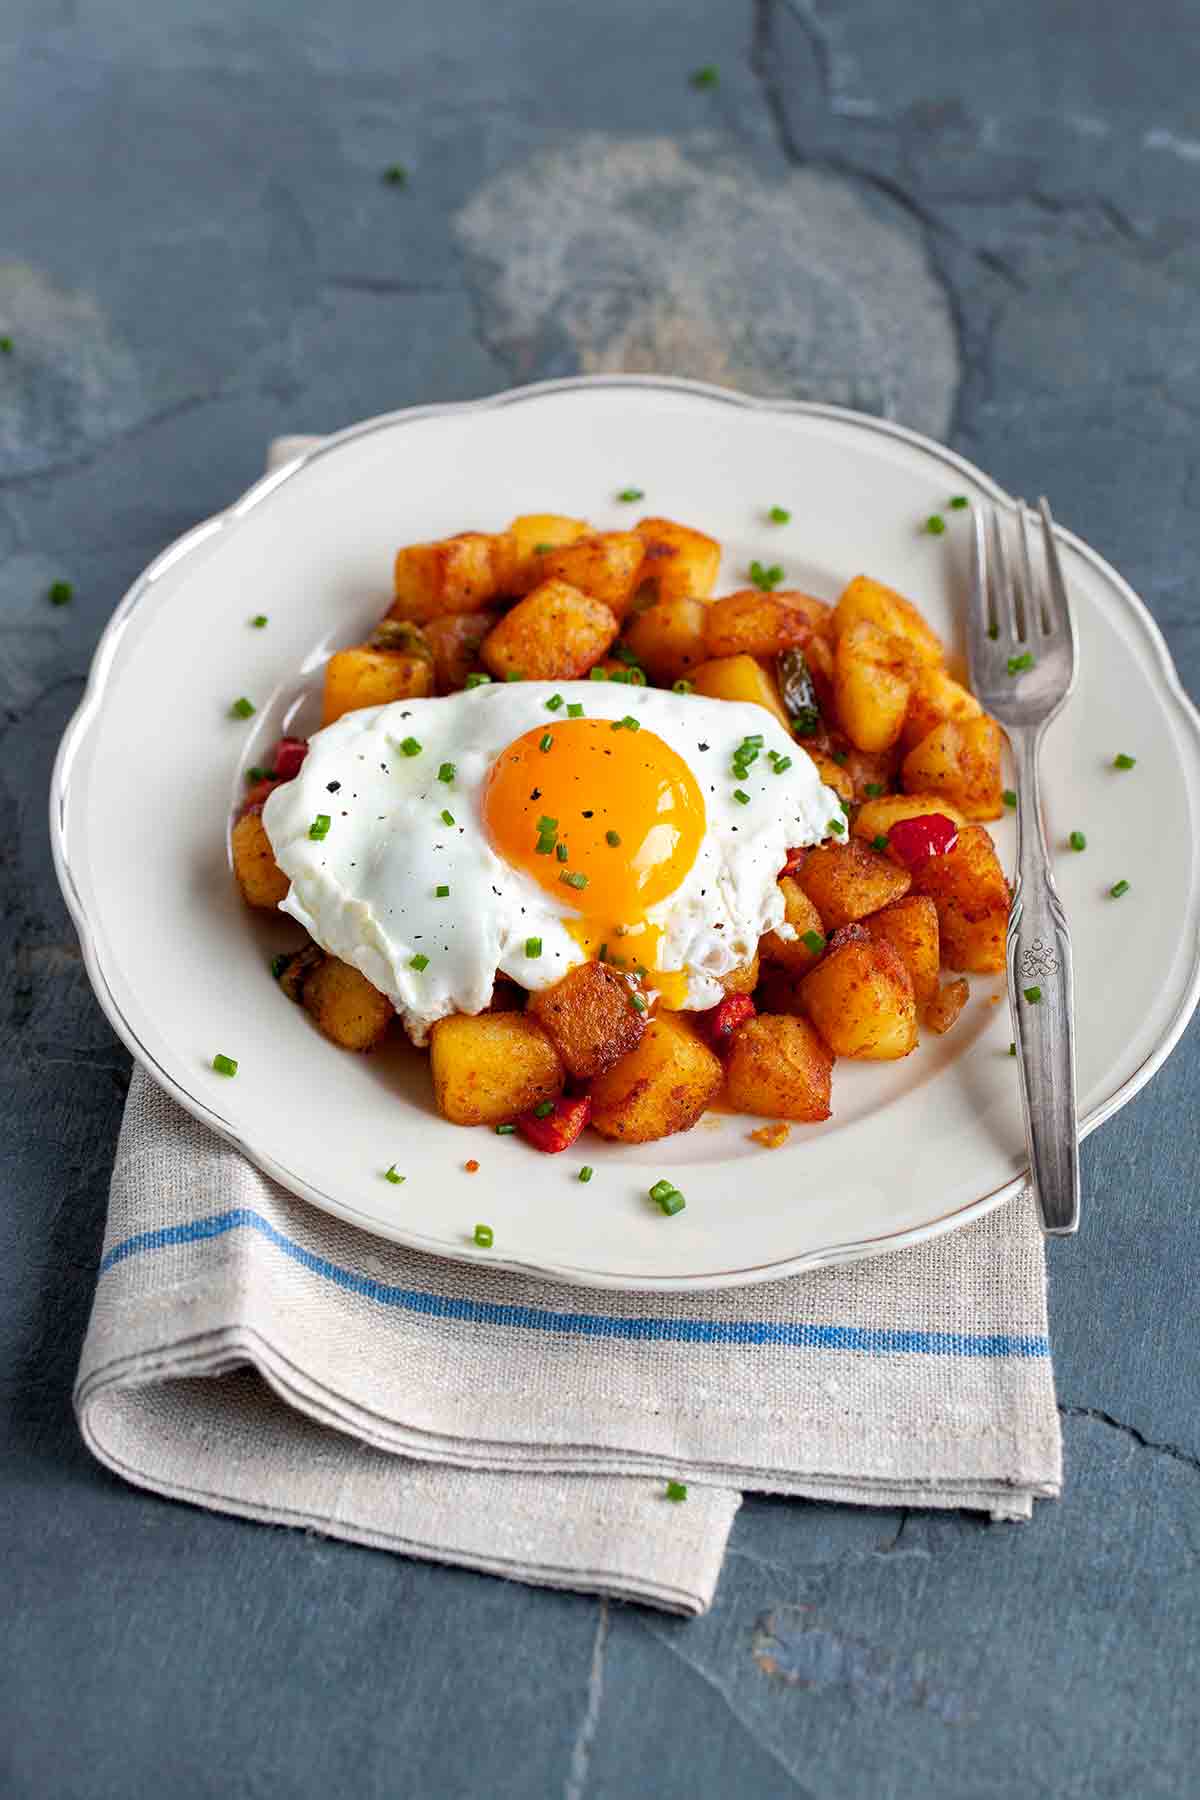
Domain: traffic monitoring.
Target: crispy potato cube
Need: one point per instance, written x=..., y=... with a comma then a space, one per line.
x=799, y=912
x=968, y=888
x=668, y=638
x=779, y=988
x=605, y=567
x=457, y=574
x=519, y=551
x=680, y=562
x=661, y=1087
x=847, y=881
x=865, y=768
x=364, y=677
x=875, y=818
x=554, y=634
x=347, y=1009
x=590, y=1019
x=759, y=624
x=832, y=774
x=779, y=1067
x=872, y=682
x=454, y=642
x=488, y=1067
x=910, y=926
x=960, y=758
x=891, y=613
x=935, y=697
x=740, y=678
x=860, y=998
x=296, y=970
x=945, y=1006
x=262, y=881
x=743, y=979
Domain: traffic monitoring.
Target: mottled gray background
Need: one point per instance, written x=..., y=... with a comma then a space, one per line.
x=981, y=220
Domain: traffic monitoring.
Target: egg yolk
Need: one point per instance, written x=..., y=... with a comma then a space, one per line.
x=606, y=818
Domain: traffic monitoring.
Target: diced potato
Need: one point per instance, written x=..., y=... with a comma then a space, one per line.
x=661, y=1087
x=968, y=888
x=457, y=574
x=554, y=634
x=454, y=642
x=818, y=613
x=860, y=998
x=590, y=1018
x=865, y=768
x=798, y=911
x=778, y=990
x=872, y=681
x=361, y=677
x=488, y=1067
x=293, y=971
x=891, y=613
x=779, y=1067
x=519, y=551
x=262, y=881
x=347, y=1009
x=833, y=774
x=757, y=623
x=910, y=926
x=960, y=758
x=945, y=1006
x=935, y=697
x=740, y=678
x=743, y=979
x=680, y=562
x=847, y=881
x=668, y=638
x=605, y=567
x=875, y=818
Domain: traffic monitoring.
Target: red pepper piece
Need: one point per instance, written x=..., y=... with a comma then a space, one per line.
x=725, y=1018
x=256, y=797
x=287, y=756
x=794, y=863
x=912, y=840
x=559, y=1128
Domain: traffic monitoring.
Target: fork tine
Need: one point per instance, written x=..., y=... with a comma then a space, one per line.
x=1002, y=590
x=1055, y=603
x=1036, y=617
x=981, y=607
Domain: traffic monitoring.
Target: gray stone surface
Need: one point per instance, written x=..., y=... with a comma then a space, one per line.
x=980, y=220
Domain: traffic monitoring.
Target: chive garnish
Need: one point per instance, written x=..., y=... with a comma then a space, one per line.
x=533, y=947
x=1012, y=1049
x=573, y=878
x=447, y=772
x=630, y=723
x=629, y=494
x=958, y=501
x=741, y=796
x=484, y=1236
x=546, y=742
x=1077, y=841
x=320, y=826
x=597, y=674
x=545, y=844
x=410, y=746
x=637, y=1003
x=441, y=893
x=781, y=763
x=418, y=962
x=561, y=851
x=676, y=1491
x=258, y=621
x=682, y=686
x=547, y=824
x=505, y=1130
x=765, y=579
x=554, y=702
x=574, y=709
x=447, y=817
x=935, y=524
x=629, y=657
x=543, y=1109
x=224, y=1065
x=806, y=722
x=586, y=1173
x=841, y=758
x=477, y=680
x=60, y=594
x=993, y=632
x=514, y=674
x=668, y=1197
x=837, y=826
x=1032, y=994
x=1008, y=797
x=779, y=515
x=880, y=842
x=1018, y=664
x=1118, y=888
x=707, y=77
x=393, y=1175
x=1123, y=762
x=6, y=345
x=812, y=940
x=241, y=709
x=613, y=838
x=873, y=790
x=396, y=175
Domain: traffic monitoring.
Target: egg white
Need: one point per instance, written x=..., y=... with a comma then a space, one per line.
x=366, y=891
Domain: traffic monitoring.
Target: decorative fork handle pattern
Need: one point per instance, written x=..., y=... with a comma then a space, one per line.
x=1039, y=957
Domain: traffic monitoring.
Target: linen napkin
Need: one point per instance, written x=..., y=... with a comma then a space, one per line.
x=250, y=1354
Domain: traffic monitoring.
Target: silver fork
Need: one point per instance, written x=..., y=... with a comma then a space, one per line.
x=1021, y=645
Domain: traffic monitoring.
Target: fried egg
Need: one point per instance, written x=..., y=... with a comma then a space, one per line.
x=524, y=827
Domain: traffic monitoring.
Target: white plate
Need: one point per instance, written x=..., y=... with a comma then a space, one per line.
x=152, y=763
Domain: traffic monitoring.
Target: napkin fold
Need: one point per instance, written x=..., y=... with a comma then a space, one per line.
x=250, y=1354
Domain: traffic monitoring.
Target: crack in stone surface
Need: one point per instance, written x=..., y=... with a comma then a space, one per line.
x=1174, y=1451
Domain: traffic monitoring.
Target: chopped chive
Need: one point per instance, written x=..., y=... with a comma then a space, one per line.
x=958, y=501
x=446, y=816
x=545, y=845
x=779, y=515
x=1123, y=762
x=6, y=345
x=672, y=1203
x=254, y=773
x=484, y=1236
x=224, y=1065
x=514, y=674
x=547, y=824
x=806, y=722
x=59, y=593
x=845, y=805
x=642, y=972
x=320, y=826
x=1008, y=797
x=477, y=680
x=544, y=549
x=396, y=175
x=993, y=632
x=628, y=495
x=573, y=879
x=661, y=1188
x=707, y=77
x=630, y=723
x=636, y=677
x=741, y=796
x=418, y=962
x=602, y=952
x=1012, y=1049
x=533, y=948
x=441, y=893
x=624, y=676
x=258, y=621
x=880, y=842
x=1118, y=888
x=561, y=851
x=677, y=1491
x=841, y=758
x=682, y=686
x=935, y=524
x=812, y=940
x=586, y=1173
x=782, y=763
x=597, y=674
x=554, y=702
x=1032, y=994
x=447, y=772
x=543, y=1109
x=505, y=1130
x=613, y=838
x=1077, y=841
x=546, y=742
x=1018, y=664
x=629, y=657
x=837, y=826
x=279, y=963
x=574, y=709
x=637, y=1003
x=410, y=746
x=393, y=1175
x=765, y=579
x=241, y=709
x=873, y=790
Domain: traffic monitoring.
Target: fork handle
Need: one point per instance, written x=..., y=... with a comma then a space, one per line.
x=1039, y=960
